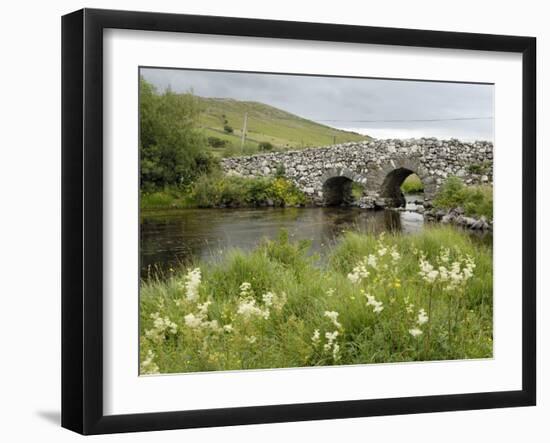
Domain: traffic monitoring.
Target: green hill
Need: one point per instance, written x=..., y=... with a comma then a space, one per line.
x=266, y=124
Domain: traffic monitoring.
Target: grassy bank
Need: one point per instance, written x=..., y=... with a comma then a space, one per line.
x=385, y=299
x=412, y=185
x=476, y=201
x=217, y=190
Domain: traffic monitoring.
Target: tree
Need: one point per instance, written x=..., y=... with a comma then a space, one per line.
x=171, y=144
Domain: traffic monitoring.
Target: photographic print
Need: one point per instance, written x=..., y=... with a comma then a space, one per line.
x=292, y=221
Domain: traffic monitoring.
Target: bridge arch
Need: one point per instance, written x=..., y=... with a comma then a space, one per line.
x=391, y=175
x=337, y=186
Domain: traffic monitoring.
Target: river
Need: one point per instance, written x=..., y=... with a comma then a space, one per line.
x=172, y=237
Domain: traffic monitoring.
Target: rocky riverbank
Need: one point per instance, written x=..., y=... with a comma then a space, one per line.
x=456, y=216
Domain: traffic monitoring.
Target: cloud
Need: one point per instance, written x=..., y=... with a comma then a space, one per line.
x=361, y=104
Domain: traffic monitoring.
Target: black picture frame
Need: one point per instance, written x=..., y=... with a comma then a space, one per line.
x=82, y=220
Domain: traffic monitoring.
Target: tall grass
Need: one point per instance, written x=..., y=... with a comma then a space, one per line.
x=374, y=301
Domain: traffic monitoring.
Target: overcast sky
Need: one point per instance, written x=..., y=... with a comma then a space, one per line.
x=367, y=106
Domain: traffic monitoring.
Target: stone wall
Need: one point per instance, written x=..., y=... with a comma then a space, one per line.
x=379, y=165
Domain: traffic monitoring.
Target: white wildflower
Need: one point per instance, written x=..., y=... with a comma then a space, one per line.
x=212, y=324
x=251, y=339
x=161, y=327
x=469, y=266
x=245, y=289
x=444, y=255
x=228, y=328
x=247, y=309
x=271, y=299
x=148, y=366
x=395, y=255
x=422, y=317
x=193, y=321
x=268, y=298
x=203, y=307
x=316, y=337
x=415, y=332
x=336, y=351
x=410, y=308
x=330, y=292
x=427, y=271
x=358, y=273
x=377, y=306
x=372, y=261
x=191, y=284
x=333, y=316
x=331, y=338
x=382, y=251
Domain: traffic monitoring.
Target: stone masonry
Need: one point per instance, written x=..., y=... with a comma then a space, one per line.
x=326, y=174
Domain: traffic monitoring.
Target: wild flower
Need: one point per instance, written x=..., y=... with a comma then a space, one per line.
x=444, y=255
x=415, y=332
x=248, y=309
x=469, y=266
x=331, y=338
x=358, y=273
x=251, y=339
x=274, y=300
x=410, y=308
x=333, y=317
x=199, y=320
x=422, y=317
x=192, y=281
x=330, y=292
x=203, y=307
x=336, y=351
x=193, y=321
x=372, y=261
x=427, y=271
x=377, y=306
x=161, y=327
x=228, y=328
x=395, y=255
x=457, y=275
x=316, y=337
x=245, y=288
x=147, y=365
x=443, y=273
x=382, y=251
x=213, y=325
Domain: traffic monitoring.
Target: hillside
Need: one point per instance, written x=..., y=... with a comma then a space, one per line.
x=265, y=124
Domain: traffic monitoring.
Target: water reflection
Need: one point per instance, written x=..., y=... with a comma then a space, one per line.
x=173, y=237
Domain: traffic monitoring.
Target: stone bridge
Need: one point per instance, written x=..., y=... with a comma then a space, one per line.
x=326, y=174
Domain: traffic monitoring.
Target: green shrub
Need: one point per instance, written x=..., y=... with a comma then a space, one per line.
x=476, y=200
x=357, y=190
x=217, y=142
x=265, y=146
x=479, y=168
x=228, y=129
x=218, y=190
x=280, y=170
